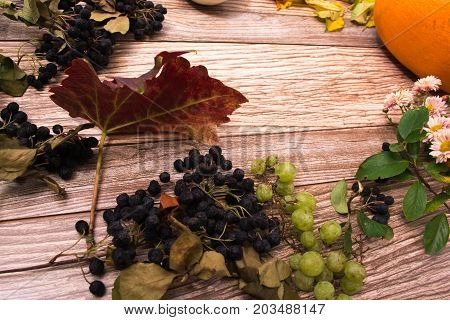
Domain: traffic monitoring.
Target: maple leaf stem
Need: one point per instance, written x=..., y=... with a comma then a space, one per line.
x=96, y=184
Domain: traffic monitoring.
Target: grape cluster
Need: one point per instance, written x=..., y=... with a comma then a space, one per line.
x=215, y=203
x=145, y=17
x=63, y=159
x=377, y=202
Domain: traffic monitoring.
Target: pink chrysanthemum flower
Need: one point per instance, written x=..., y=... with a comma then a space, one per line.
x=434, y=126
x=400, y=98
x=430, y=83
x=436, y=105
x=440, y=147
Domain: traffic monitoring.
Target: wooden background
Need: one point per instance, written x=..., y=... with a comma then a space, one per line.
x=315, y=98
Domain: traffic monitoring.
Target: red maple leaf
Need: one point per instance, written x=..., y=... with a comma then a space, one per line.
x=173, y=96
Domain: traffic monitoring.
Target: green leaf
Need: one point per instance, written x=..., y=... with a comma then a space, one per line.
x=142, y=281
x=436, y=234
x=437, y=202
x=186, y=251
x=397, y=147
x=273, y=272
x=348, y=243
x=438, y=172
x=339, y=197
x=405, y=176
x=413, y=150
x=12, y=79
x=415, y=202
x=382, y=165
x=372, y=228
x=412, y=120
x=14, y=159
x=416, y=136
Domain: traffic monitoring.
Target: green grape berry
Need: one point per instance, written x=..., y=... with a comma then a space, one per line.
x=343, y=296
x=284, y=188
x=303, y=282
x=336, y=261
x=330, y=231
x=354, y=271
x=350, y=287
x=308, y=239
x=271, y=160
x=294, y=261
x=302, y=221
x=258, y=167
x=324, y=290
x=307, y=200
x=264, y=192
x=317, y=247
x=311, y=264
x=285, y=171
x=326, y=275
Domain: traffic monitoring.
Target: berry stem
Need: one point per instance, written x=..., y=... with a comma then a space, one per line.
x=44, y=265
x=96, y=184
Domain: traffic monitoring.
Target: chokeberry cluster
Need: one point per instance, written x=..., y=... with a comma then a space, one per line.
x=81, y=37
x=145, y=17
x=378, y=203
x=62, y=159
x=215, y=203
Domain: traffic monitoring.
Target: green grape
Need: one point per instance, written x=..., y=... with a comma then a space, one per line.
x=354, y=271
x=271, y=160
x=311, y=264
x=307, y=200
x=317, y=247
x=264, y=192
x=284, y=188
x=336, y=261
x=303, y=282
x=350, y=287
x=294, y=261
x=308, y=239
x=324, y=290
x=258, y=167
x=330, y=231
x=287, y=203
x=326, y=275
x=302, y=221
x=285, y=171
x=343, y=296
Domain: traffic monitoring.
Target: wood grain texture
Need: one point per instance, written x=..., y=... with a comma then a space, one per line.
x=290, y=87
x=321, y=156
x=397, y=269
x=315, y=99
x=236, y=21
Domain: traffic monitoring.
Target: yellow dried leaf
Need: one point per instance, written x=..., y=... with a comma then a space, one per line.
x=321, y=5
x=212, y=264
x=335, y=25
x=120, y=24
x=100, y=16
x=283, y=4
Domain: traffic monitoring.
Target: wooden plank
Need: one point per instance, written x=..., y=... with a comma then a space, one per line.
x=289, y=87
x=321, y=156
x=236, y=21
x=397, y=269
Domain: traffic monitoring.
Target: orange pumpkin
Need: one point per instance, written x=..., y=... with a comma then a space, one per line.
x=417, y=32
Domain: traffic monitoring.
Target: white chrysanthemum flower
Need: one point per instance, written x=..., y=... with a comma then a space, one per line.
x=434, y=126
x=440, y=147
x=430, y=83
x=436, y=105
x=400, y=98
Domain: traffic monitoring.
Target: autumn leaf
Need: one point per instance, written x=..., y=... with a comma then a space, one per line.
x=173, y=96
x=100, y=16
x=283, y=4
x=120, y=24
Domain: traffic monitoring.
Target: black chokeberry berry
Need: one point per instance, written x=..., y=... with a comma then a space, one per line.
x=154, y=188
x=383, y=219
x=20, y=117
x=82, y=227
x=97, y=267
x=122, y=200
x=385, y=146
x=365, y=192
x=155, y=255
x=164, y=177
x=57, y=129
x=226, y=165
x=355, y=187
x=178, y=165
x=389, y=200
x=97, y=288
x=13, y=107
